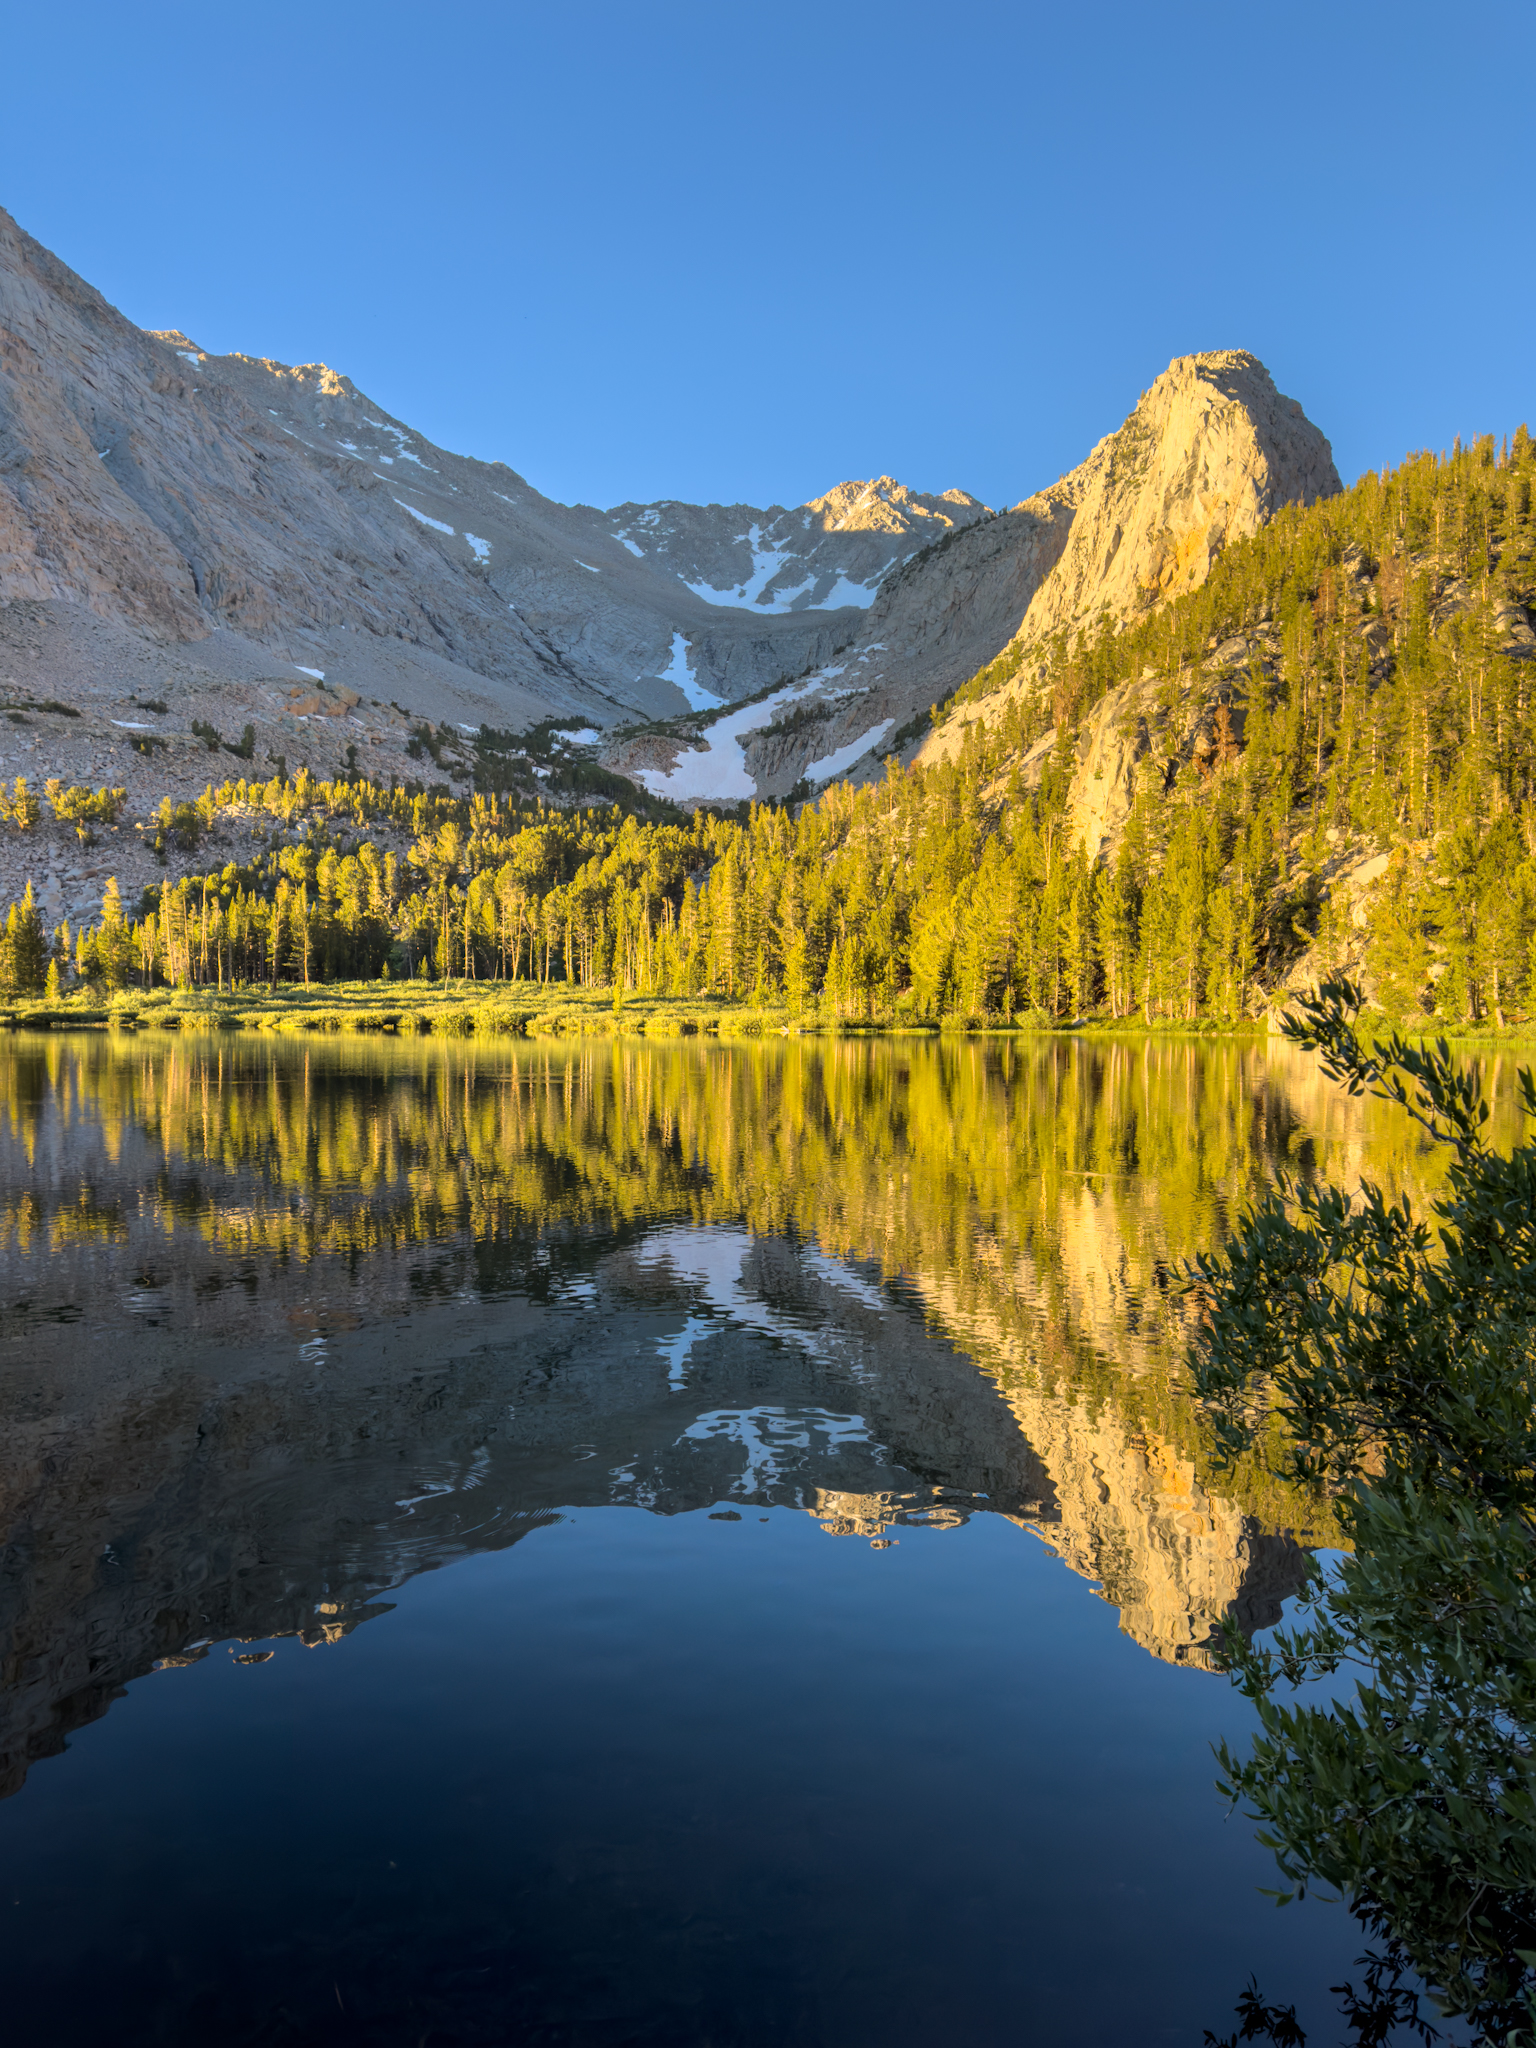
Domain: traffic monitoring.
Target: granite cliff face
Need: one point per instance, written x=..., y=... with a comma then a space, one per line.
x=1211, y=452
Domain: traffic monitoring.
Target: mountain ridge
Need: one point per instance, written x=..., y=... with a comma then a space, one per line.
x=262, y=547
x=178, y=493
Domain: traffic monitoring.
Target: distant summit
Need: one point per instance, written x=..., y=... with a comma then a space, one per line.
x=884, y=506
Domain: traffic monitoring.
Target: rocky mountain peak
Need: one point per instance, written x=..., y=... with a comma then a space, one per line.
x=882, y=505
x=1209, y=453
x=183, y=344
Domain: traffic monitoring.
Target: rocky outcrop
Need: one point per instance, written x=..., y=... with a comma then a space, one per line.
x=1161, y=729
x=1210, y=453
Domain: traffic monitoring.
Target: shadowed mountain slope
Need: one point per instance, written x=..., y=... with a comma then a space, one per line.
x=179, y=493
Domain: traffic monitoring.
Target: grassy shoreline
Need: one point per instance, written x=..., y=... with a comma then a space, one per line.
x=555, y=1010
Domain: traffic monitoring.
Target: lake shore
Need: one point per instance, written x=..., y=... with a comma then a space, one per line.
x=555, y=1010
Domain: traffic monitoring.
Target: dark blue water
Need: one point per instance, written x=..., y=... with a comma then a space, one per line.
x=669, y=1637
x=641, y=1779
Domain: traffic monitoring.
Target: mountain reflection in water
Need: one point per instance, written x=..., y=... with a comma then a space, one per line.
x=285, y=1327
x=288, y=1326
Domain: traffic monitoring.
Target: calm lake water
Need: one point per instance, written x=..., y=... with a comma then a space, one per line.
x=636, y=1544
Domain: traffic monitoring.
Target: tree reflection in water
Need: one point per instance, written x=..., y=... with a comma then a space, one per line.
x=288, y=1325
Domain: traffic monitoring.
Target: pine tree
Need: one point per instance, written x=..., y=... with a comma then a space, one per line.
x=24, y=960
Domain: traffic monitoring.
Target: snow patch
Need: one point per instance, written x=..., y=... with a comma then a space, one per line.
x=839, y=763
x=720, y=769
x=767, y=563
x=585, y=565
x=624, y=541
x=699, y=699
x=437, y=523
x=400, y=448
x=861, y=594
x=189, y=355
x=481, y=547
x=317, y=673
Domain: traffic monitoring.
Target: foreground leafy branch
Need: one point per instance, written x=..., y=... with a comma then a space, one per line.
x=1398, y=1357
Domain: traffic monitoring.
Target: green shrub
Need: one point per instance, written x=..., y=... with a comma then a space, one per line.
x=1399, y=1359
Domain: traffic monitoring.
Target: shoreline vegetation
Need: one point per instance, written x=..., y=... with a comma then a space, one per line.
x=1392, y=1344
x=534, y=1010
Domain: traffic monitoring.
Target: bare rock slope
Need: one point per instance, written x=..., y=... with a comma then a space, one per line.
x=178, y=495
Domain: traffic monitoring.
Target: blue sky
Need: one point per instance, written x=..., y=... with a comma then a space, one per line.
x=741, y=252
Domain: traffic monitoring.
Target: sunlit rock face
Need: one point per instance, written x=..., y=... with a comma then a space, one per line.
x=1209, y=454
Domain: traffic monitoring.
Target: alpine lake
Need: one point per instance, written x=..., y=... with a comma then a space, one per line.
x=636, y=1542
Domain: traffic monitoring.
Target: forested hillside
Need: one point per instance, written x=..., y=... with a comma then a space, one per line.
x=1321, y=758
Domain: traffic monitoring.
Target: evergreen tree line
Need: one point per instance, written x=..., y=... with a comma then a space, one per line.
x=1378, y=701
